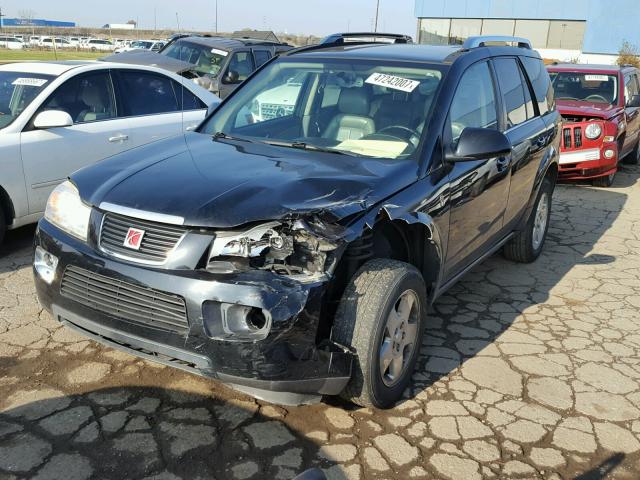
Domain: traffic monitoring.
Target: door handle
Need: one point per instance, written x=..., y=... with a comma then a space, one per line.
x=118, y=138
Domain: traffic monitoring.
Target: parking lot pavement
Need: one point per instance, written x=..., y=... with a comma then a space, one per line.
x=527, y=371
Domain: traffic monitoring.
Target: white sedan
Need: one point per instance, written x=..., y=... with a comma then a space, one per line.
x=58, y=117
x=12, y=43
x=152, y=45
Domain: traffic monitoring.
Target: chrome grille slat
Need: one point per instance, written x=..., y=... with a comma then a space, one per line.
x=125, y=300
x=158, y=241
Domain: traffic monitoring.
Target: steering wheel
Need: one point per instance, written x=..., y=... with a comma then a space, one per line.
x=413, y=137
x=596, y=96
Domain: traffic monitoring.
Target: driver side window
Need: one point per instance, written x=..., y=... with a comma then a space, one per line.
x=474, y=103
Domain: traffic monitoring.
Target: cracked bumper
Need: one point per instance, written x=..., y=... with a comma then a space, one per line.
x=285, y=367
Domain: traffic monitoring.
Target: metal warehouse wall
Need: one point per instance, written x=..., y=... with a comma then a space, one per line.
x=609, y=22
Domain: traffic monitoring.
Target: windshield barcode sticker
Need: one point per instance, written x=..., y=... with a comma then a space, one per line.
x=596, y=78
x=30, y=82
x=219, y=52
x=391, y=81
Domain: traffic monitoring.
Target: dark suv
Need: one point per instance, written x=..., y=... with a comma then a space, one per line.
x=296, y=256
x=217, y=63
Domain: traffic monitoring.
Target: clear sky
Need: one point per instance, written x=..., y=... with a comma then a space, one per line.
x=317, y=17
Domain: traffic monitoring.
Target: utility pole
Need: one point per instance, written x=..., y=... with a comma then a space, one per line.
x=155, y=20
x=178, y=21
x=375, y=25
x=216, y=17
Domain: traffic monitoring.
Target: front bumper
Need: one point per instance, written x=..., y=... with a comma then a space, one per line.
x=286, y=367
x=588, y=162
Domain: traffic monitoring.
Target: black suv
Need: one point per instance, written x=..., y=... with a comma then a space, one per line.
x=218, y=64
x=295, y=255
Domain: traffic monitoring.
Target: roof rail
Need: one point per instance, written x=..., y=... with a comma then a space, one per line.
x=365, y=37
x=485, y=40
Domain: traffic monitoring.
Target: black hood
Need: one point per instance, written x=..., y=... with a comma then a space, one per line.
x=149, y=59
x=223, y=183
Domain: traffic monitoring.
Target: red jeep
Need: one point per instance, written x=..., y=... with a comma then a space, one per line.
x=600, y=106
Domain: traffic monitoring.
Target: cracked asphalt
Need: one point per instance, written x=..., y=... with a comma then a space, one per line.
x=527, y=371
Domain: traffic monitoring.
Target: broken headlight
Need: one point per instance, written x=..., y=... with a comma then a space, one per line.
x=283, y=248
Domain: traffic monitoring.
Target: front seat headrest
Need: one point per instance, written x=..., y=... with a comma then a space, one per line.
x=353, y=101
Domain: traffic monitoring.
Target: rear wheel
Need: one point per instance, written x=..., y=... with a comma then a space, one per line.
x=527, y=245
x=604, y=182
x=381, y=317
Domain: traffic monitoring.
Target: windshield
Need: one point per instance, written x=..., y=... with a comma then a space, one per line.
x=17, y=91
x=585, y=87
x=206, y=60
x=357, y=107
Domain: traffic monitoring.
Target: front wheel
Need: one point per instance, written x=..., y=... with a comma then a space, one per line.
x=381, y=316
x=527, y=245
x=3, y=225
x=634, y=157
x=604, y=182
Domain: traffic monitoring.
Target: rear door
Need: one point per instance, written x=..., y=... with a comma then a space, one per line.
x=525, y=129
x=261, y=56
x=479, y=188
x=49, y=156
x=151, y=102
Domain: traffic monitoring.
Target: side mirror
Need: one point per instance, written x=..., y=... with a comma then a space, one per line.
x=231, y=77
x=479, y=144
x=634, y=102
x=52, y=119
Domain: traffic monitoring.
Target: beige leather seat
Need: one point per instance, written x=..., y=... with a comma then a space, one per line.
x=353, y=121
x=93, y=97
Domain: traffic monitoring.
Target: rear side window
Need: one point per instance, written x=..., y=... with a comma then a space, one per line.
x=261, y=56
x=242, y=63
x=510, y=82
x=187, y=99
x=474, y=103
x=146, y=93
x=541, y=83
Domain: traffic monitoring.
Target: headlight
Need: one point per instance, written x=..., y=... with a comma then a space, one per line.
x=66, y=210
x=250, y=243
x=593, y=131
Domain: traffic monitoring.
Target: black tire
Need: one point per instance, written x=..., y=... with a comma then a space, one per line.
x=3, y=225
x=522, y=248
x=361, y=320
x=603, y=182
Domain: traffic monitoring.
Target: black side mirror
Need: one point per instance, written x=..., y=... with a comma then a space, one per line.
x=231, y=77
x=634, y=102
x=479, y=144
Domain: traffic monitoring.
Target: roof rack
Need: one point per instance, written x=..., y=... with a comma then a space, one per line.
x=365, y=37
x=487, y=40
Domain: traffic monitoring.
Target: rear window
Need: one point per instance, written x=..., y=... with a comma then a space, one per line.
x=540, y=82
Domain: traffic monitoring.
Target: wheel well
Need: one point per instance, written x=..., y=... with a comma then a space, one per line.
x=395, y=239
x=6, y=206
x=552, y=172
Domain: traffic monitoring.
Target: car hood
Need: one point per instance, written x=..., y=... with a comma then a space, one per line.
x=148, y=58
x=587, y=109
x=224, y=183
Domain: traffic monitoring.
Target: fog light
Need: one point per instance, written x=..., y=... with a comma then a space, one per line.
x=608, y=153
x=45, y=264
x=233, y=322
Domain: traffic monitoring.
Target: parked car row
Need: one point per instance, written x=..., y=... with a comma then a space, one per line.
x=18, y=42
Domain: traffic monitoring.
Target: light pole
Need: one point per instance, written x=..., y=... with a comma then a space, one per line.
x=216, y=17
x=178, y=21
x=375, y=25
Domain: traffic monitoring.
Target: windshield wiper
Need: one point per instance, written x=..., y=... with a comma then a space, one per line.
x=226, y=136
x=309, y=146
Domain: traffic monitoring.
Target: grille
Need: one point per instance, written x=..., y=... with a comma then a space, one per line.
x=572, y=137
x=125, y=300
x=158, y=240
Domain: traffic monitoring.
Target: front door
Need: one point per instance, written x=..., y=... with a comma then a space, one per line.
x=50, y=156
x=479, y=188
x=631, y=89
